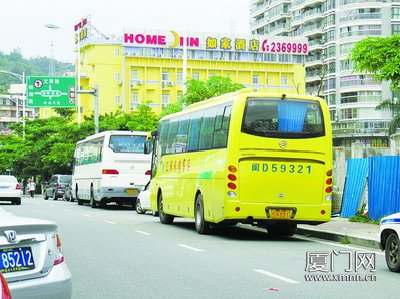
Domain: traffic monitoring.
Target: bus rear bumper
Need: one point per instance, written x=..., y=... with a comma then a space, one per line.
x=261, y=212
x=110, y=192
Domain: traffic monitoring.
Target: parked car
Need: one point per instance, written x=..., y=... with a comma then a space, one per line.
x=389, y=240
x=4, y=290
x=55, y=188
x=31, y=258
x=10, y=189
x=68, y=193
x=143, y=200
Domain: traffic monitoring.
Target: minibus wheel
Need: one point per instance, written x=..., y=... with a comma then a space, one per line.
x=202, y=226
x=164, y=218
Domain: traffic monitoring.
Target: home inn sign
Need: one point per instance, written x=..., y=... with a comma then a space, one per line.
x=220, y=42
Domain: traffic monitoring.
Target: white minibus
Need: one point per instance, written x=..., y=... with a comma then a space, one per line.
x=110, y=166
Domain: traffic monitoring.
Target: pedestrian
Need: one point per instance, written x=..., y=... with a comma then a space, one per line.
x=31, y=187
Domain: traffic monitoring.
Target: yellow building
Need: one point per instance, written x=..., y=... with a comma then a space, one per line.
x=145, y=65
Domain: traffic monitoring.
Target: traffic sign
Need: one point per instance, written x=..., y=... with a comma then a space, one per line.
x=58, y=92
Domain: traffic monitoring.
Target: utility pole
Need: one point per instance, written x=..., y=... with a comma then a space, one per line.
x=95, y=92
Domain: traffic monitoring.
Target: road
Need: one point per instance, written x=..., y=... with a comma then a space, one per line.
x=116, y=253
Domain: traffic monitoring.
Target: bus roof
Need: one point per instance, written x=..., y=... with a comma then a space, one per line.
x=114, y=132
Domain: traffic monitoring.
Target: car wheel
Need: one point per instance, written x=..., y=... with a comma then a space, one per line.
x=45, y=197
x=392, y=254
x=138, y=207
x=164, y=218
x=93, y=203
x=202, y=226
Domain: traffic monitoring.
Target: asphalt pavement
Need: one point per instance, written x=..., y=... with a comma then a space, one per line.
x=342, y=230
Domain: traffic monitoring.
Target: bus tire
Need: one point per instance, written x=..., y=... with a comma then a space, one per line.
x=93, y=202
x=164, y=218
x=202, y=226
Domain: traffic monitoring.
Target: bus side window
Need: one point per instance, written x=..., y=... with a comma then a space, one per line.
x=194, y=130
x=207, y=129
x=222, y=126
x=163, y=128
x=173, y=130
x=182, y=137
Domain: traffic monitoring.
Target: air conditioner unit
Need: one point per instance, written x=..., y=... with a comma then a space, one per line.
x=139, y=82
x=170, y=83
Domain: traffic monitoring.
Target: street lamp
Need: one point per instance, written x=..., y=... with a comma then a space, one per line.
x=22, y=78
x=51, y=64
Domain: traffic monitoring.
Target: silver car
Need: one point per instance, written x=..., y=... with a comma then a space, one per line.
x=10, y=189
x=31, y=259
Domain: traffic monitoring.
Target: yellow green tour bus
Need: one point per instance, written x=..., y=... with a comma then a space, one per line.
x=263, y=159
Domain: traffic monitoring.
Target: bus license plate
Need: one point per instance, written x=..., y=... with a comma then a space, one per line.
x=16, y=259
x=132, y=191
x=281, y=213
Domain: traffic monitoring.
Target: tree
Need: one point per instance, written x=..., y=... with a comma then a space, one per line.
x=198, y=90
x=380, y=56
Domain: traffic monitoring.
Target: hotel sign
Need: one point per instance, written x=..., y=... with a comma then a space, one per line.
x=220, y=42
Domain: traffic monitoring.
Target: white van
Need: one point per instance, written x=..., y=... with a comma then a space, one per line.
x=110, y=166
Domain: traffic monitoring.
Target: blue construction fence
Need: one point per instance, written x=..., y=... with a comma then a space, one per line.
x=381, y=175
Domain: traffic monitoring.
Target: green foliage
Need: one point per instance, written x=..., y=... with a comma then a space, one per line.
x=345, y=240
x=362, y=218
x=381, y=57
x=198, y=90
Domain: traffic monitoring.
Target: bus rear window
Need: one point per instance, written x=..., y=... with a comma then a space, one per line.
x=127, y=144
x=288, y=118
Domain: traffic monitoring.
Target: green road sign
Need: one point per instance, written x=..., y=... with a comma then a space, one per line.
x=59, y=92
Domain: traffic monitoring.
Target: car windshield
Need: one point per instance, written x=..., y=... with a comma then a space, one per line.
x=65, y=179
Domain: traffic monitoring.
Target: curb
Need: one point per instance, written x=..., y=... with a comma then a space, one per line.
x=332, y=236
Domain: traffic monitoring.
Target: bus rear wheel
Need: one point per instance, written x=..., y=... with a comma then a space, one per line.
x=202, y=226
x=164, y=218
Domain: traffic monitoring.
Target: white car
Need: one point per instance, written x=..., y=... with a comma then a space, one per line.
x=143, y=200
x=389, y=240
x=31, y=258
x=10, y=189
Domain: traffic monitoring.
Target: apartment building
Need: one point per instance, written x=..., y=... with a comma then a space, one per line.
x=332, y=27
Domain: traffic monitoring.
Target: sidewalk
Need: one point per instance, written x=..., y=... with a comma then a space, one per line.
x=363, y=234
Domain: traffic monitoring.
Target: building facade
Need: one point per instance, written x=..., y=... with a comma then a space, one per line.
x=12, y=108
x=149, y=66
x=332, y=27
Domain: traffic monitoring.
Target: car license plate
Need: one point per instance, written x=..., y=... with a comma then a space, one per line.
x=280, y=213
x=16, y=259
x=132, y=191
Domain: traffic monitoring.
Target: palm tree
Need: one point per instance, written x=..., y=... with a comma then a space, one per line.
x=394, y=107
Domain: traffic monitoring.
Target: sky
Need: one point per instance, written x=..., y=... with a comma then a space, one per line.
x=22, y=22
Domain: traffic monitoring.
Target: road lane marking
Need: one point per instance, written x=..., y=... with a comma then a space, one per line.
x=143, y=233
x=273, y=275
x=190, y=247
x=110, y=222
x=86, y=215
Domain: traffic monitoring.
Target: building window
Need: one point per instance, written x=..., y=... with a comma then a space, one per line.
x=284, y=80
x=179, y=77
x=134, y=101
x=196, y=76
x=255, y=79
x=350, y=113
x=396, y=29
x=116, y=76
x=395, y=12
x=135, y=74
x=118, y=100
x=165, y=100
x=165, y=76
x=116, y=52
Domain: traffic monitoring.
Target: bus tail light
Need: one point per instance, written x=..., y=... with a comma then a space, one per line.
x=232, y=177
x=148, y=172
x=328, y=189
x=232, y=168
x=231, y=186
x=329, y=172
x=109, y=171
